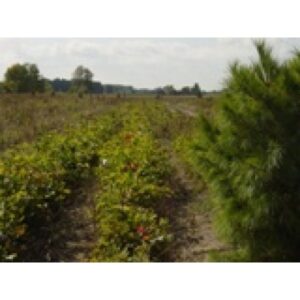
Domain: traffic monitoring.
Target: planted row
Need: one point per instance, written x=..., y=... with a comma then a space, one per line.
x=36, y=179
x=134, y=194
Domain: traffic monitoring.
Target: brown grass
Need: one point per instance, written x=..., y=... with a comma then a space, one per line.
x=23, y=118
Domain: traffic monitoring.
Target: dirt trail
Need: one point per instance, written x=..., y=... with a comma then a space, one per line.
x=188, y=111
x=191, y=219
x=194, y=236
x=74, y=234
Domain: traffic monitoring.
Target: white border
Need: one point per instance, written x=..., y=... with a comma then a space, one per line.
x=149, y=281
x=145, y=18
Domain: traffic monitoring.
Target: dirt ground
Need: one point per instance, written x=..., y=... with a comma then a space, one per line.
x=192, y=225
x=194, y=236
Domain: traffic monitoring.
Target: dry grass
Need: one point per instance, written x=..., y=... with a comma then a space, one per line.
x=23, y=118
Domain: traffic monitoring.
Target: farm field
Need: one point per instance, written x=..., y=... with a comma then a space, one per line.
x=111, y=173
x=102, y=178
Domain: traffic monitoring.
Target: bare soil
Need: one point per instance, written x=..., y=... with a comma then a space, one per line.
x=192, y=226
x=70, y=234
x=76, y=230
x=194, y=236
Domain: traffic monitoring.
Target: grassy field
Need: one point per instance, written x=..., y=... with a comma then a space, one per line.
x=25, y=117
x=102, y=178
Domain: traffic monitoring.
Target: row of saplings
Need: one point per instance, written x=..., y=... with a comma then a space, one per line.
x=134, y=194
x=248, y=153
x=37, y=179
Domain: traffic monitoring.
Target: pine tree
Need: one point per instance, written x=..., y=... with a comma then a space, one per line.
x=249, y=155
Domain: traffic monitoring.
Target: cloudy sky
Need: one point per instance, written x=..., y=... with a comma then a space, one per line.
x=143, y=63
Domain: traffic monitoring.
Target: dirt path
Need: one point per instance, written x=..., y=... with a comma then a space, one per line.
x=191, y=219
x=74, y=234
x=194, y=236
x=188, y=111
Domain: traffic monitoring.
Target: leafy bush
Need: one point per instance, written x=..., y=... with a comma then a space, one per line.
x=31, y=185
x=129, y=233
x=35, y=179
x=133, y=187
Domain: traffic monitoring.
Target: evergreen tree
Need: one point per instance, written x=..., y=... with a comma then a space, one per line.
x=249, y=156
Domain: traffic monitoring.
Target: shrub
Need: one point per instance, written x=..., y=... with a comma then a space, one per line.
x=129, y=233
x=133, y=180
x=36, y=179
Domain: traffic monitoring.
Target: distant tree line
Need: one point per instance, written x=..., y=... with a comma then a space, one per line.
x=26, y=78
x=65, y=85
x=170, y=90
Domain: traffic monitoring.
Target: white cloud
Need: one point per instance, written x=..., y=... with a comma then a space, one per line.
x=140, y=62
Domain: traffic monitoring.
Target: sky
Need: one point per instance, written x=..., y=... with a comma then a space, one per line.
x=143, y=62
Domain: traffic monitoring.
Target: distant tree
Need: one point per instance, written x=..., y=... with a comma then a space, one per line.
x=118, y=88
x=108, y=88
x=82, y=80
x=22, y=78
x=159, y=91
x=35, y=82
x=61, y=85
x=185, y=90
x=48, y=87
x=196, y=90
x=97, y=87
x=130, y=90
x=169, y=90
x=15, y=79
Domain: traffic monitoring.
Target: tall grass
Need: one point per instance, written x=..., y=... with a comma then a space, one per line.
x=23, y=118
